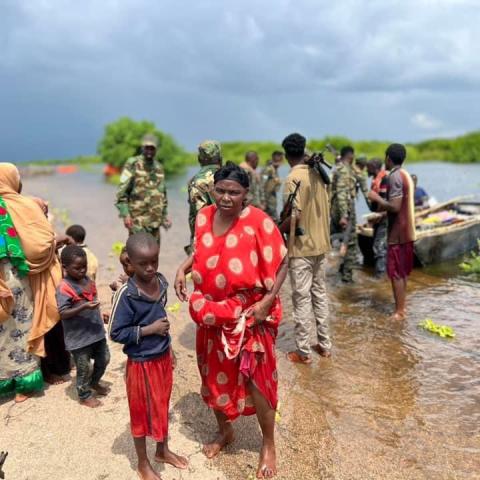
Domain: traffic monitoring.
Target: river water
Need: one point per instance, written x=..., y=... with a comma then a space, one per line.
x=394, y=401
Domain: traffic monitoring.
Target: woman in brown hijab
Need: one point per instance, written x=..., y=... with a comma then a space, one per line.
x=29, y=274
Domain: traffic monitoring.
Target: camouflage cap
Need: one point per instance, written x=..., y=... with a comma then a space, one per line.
x=210, y=150
x=150, y=140
x=361, y=159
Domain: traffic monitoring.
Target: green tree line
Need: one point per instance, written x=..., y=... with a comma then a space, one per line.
x=462, y=149
x=122, y=139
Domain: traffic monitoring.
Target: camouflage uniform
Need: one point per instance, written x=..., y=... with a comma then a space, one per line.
x=142, y=195
x=199, y=187
x=361, y=178
x=343, y=196
x=255, y=195
x=271, y=185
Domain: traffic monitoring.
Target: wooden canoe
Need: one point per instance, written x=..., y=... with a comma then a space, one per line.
x=437, y=243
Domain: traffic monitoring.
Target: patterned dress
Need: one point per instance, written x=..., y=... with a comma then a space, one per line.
x=231, y=272
x=19, y=370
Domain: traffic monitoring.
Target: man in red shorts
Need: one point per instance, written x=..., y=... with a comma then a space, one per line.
x=400, y=209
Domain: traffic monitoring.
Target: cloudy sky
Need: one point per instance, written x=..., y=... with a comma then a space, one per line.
x=235, y=70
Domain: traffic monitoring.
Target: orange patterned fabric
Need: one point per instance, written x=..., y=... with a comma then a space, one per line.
x=232, y=272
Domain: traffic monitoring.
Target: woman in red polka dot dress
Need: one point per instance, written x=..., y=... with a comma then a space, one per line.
x=238, y=267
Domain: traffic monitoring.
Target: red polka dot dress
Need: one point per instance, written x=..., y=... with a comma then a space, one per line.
x=231, y=272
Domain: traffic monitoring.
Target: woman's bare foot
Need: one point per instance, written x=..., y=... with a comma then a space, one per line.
x=54, y=379
x=91, y=402
x=398, y=316
x=165, y=455
x=21, y=397
x=211, y=450
x=146, y=472
x=267, y=464
x=100, y=389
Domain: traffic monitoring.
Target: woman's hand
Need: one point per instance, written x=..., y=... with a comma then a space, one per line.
x=62, y=240
x=260, y=311
x=181, y=285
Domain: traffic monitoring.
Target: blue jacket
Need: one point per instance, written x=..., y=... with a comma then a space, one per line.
x=130, y=311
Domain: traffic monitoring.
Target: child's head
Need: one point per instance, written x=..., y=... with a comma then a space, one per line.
x=74, y=261
x=77, y=232
x=142, y=251
x=127, y=267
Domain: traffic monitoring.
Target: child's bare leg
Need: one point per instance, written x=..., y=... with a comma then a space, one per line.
x=224, y=437
x=399, y=287
x=165, y=455
x=144, y=469
x=267, y=465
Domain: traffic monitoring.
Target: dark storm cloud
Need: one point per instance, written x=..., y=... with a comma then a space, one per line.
x=234, y=70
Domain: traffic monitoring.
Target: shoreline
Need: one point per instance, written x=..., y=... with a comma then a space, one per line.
x=393, y=402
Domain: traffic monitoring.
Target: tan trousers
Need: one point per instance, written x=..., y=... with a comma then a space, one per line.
x=309, y=297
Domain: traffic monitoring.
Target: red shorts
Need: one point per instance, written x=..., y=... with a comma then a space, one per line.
x=149, y=386
x=399, y=260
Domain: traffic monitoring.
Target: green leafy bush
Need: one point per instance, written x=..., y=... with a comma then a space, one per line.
x=122, y=140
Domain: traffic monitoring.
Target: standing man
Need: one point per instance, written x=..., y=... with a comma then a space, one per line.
x=343, y=192
x=142, y=193
x=307, y=262
x=200, y=186
x=400, y=209
x=379, y=185
x=360, y=170
x=272, y=183
x=250, y=165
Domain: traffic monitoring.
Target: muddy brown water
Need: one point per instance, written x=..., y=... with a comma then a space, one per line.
x=393, y=402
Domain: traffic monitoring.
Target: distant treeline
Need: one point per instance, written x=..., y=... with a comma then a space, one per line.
x=122, y=139
x=463, y=149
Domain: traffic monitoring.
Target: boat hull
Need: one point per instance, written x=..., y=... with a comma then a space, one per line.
x=434, y=246
x=442, y=246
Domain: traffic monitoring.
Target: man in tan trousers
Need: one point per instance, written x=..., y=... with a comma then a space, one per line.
x=307, y=251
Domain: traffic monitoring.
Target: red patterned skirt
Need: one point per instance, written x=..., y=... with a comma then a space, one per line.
x=225, y=381
x=149, y=386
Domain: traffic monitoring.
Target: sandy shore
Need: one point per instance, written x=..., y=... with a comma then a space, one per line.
x=372, y=412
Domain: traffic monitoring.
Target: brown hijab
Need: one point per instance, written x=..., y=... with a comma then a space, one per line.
x=38, y=241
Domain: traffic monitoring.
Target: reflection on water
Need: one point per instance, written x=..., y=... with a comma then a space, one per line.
x=394, y=400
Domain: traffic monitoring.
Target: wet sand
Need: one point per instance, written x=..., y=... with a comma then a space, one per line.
x=392, y=403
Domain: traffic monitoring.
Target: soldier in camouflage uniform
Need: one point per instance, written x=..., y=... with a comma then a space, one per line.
x=255, y=195
x=343, y=196
x=271, y=184
x=142, y=193
x=361, y=174
x=200, y=186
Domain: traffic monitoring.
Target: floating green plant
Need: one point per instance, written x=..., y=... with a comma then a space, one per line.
x=117, y=248
x=443, y=331
x=472, y=265
x=174, y=308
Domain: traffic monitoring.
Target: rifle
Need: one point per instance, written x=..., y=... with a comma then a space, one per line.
x=287, y=210
x=317, y=162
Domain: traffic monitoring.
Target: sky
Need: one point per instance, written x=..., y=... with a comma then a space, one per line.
x=235, y=70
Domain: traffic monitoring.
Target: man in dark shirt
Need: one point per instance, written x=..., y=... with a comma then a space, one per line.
x=401, y=224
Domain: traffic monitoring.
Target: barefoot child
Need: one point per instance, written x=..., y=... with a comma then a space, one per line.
x=78, y=234
x=139, y=321
x=83, y=326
